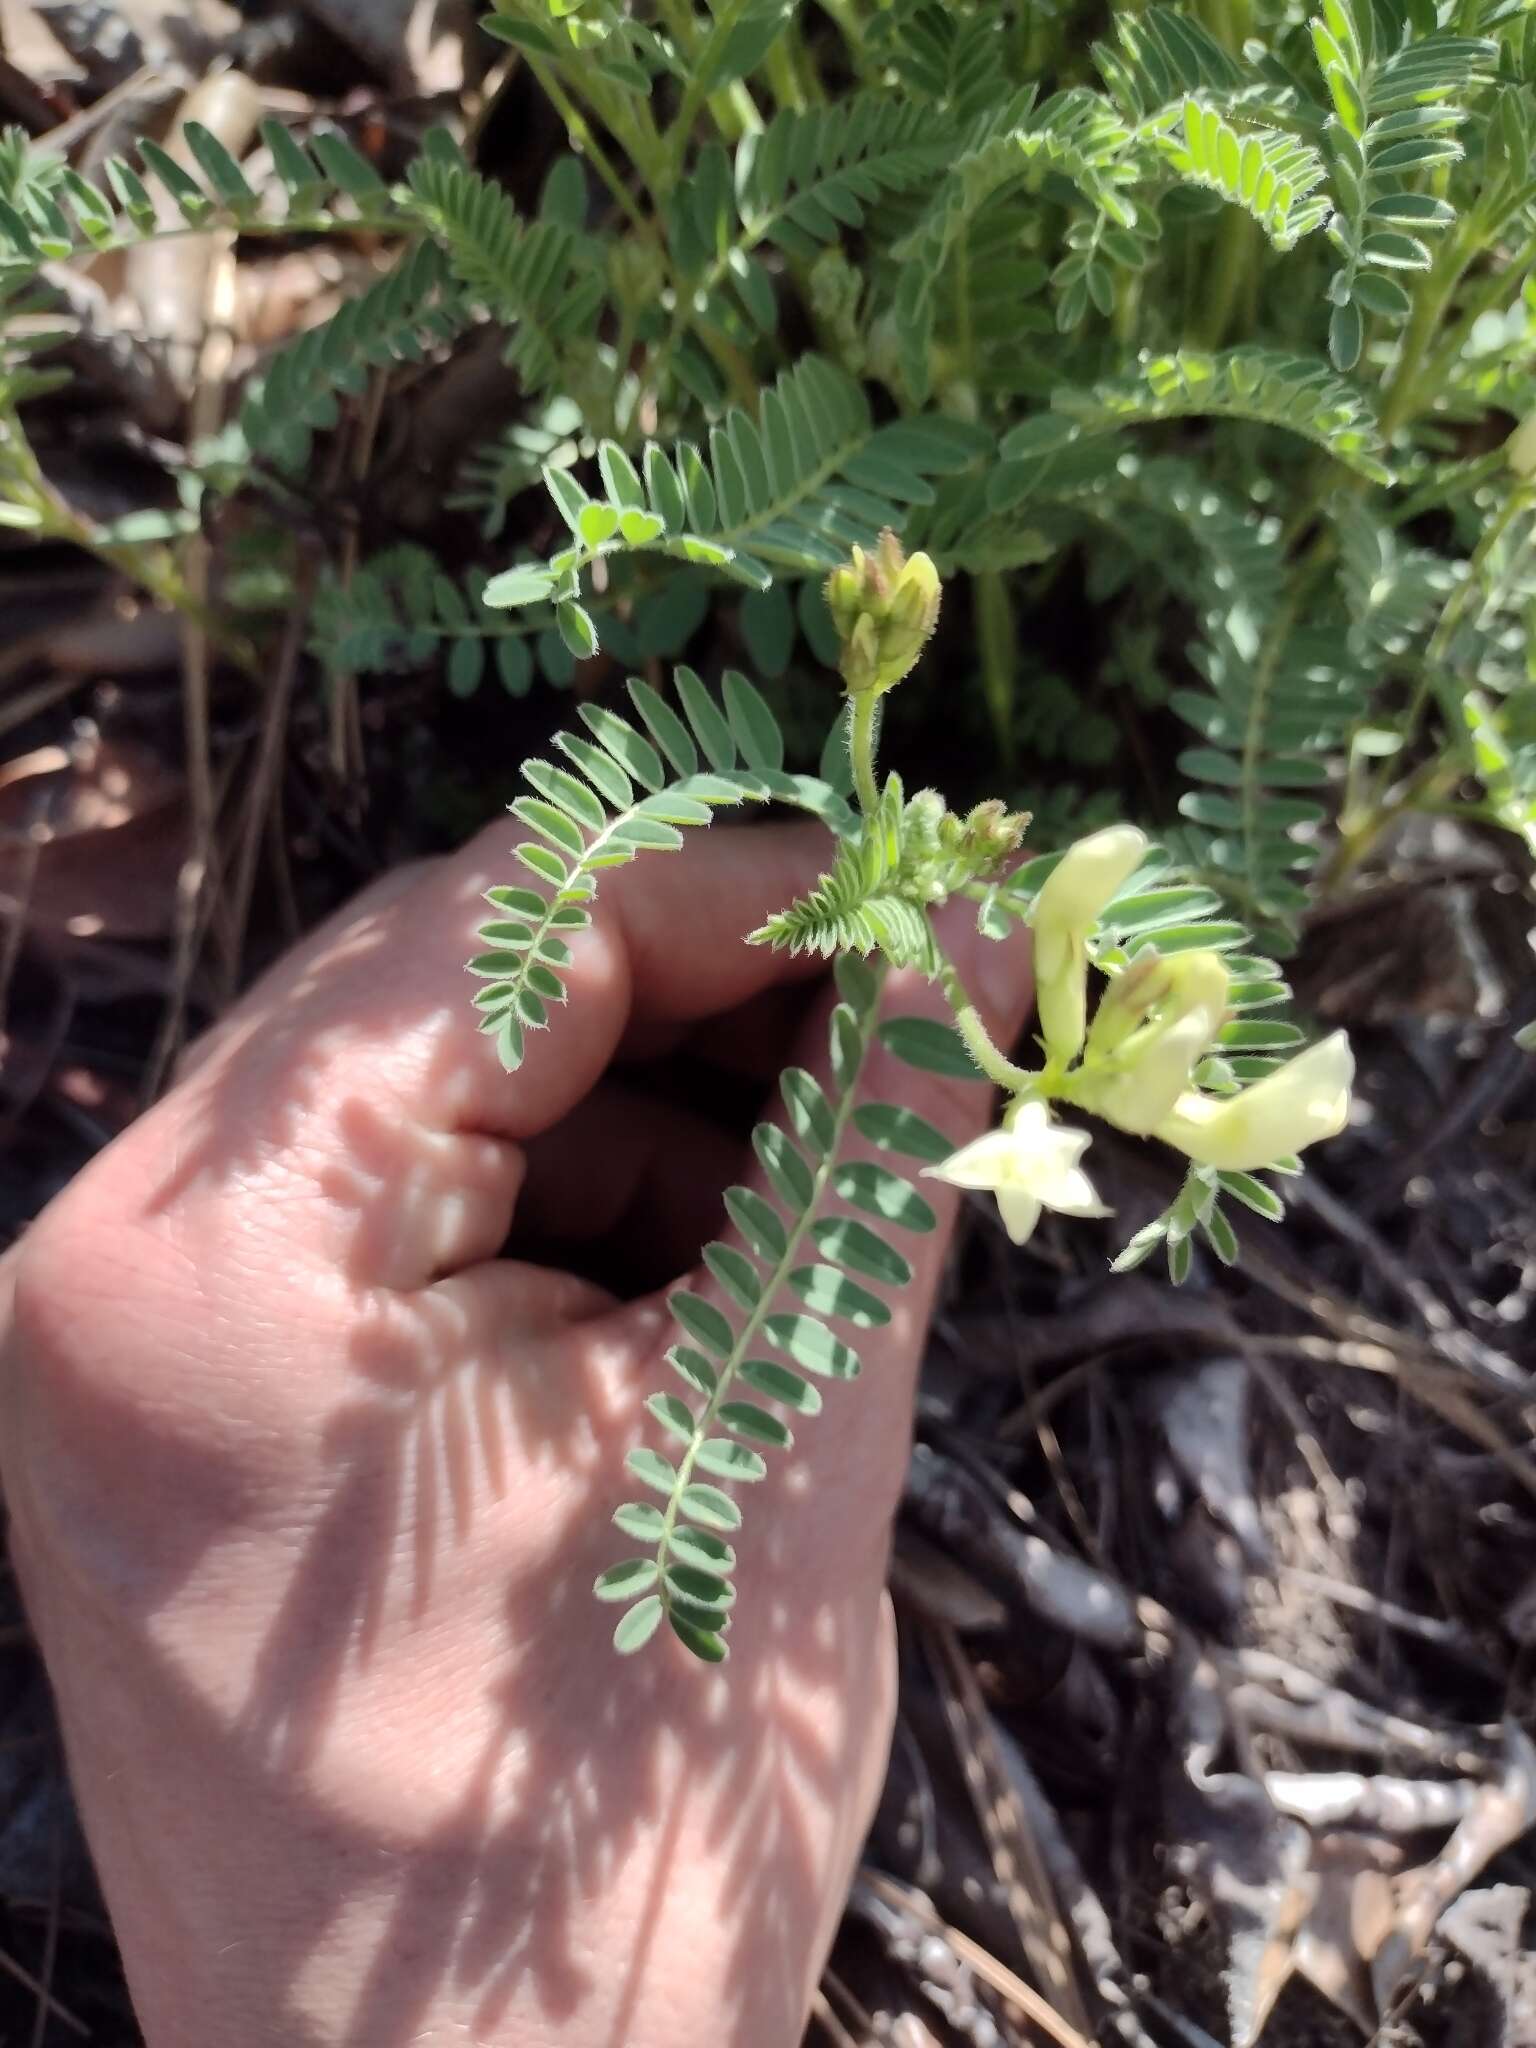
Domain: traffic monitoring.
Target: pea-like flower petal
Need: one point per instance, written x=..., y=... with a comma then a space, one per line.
x=1030, y=1164
x=1305, y=1100
x=1140, y=1096
x=1072, y=897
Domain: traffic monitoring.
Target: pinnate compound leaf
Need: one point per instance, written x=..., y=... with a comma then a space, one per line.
x=652, y=1469
x=812, y=1346
x=735, y=1274
x=703, y=1321
x=640, y=1520
x=706, y=1644
x=694, y=1367
x=700, y=1547
x=865, y=1184
x=747, y=1419
x=673, y=1414
x=758, y=1222
x=728, y=1460
x=852, y=1244
x=786, y=1170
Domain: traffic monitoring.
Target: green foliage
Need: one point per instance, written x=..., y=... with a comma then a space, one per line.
x=1199, y=360
x=1079, y=136
x=1270, y=174
x=50, y=212
x=787, y=494
x=750, y=1366
x=1395, y=110
x=798, y=279
x=622, y=790
x=399, y=320
x=400, y=611
x=1301, y=395
x=784, y=1305
x=540, y=281
x=805, y=182
x=863, y=904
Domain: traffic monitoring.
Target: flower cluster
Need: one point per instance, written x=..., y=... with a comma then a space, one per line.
x=1135, y=1064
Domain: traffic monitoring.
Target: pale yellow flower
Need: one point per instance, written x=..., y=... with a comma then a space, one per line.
x=1156, y=990
x=1141, y=1094
x=1065, y=910
x=1030, y=1164
x=1156, y=1021
x=1305, y=1100
x=1520, y=448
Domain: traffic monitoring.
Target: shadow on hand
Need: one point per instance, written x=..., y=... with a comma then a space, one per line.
x=581, y=1766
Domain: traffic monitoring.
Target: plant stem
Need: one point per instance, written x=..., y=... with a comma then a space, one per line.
x=1433, y=294
x=984, y=1050
x=1499, y=285
x=845, y=14
x=1456, y=604
x=1226, y=275
x=863, y=724
x=1377, y=807
x=995, y=645
x=585, y=143
x=732, y=108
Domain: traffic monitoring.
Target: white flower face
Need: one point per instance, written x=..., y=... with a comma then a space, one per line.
x=1031, y=1165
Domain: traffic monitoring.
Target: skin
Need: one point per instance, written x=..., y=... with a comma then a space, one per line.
x=308, y=1487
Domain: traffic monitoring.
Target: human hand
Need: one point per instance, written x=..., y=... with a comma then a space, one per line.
x=309, y=1486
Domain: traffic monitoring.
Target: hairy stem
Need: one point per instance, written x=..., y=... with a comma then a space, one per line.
x=979, y=1042
x=863, y=725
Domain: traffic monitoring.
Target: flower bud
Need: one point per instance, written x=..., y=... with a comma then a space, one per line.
x=1155, y=992
x=1305, y=1100
x=884, y=607
x=925, y=824
x=991, y=832
x=1520, y=448
x=1064, y=914
x=1140, y=1094
x=1149, y=1033
x=1131, y=998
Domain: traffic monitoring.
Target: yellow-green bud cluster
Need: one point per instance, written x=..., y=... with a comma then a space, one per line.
x=985, y=835
x=940, y=852
x=884, y=606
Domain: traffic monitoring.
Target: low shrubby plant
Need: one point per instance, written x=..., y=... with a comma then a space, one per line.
x=1196, y=362
x=1173, y=1050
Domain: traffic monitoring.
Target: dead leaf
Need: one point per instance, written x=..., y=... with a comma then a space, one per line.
x=91, y=840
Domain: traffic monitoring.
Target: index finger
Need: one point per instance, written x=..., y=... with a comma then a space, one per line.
x=665, y=946
x=379, y=994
